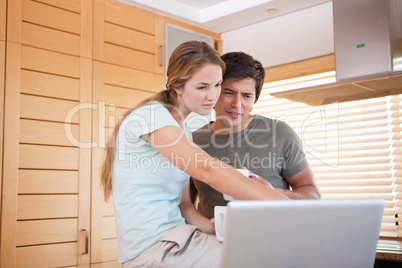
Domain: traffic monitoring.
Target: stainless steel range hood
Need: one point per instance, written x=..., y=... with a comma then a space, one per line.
x=368, y=53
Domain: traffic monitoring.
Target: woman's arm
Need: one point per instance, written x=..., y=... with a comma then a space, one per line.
x=174, y=145
x=191, y=214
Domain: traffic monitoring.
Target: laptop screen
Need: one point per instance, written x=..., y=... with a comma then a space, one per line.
x=301, y=233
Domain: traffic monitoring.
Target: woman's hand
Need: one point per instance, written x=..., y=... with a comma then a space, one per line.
x=212, y=221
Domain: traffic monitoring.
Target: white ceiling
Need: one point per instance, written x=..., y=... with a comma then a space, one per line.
x=221, y=16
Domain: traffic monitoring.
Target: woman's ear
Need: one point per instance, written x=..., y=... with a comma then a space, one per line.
x=178, y=90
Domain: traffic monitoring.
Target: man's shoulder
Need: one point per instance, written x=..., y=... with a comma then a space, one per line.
x=272, y=124
x=260, y=119
x=202, y=130
x=202, y=133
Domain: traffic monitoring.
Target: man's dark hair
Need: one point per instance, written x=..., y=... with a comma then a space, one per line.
x=240, y=65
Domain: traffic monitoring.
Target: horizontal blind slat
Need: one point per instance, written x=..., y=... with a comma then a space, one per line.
x=354, y=149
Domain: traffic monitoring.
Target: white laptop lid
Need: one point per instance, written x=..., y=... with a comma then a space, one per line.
x=302, y=233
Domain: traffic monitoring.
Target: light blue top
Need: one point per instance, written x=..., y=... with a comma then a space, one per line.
x=147, y=188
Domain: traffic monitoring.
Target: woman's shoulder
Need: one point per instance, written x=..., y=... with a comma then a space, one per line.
x=153, y=106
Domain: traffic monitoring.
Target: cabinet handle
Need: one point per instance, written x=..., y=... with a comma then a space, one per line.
x=162, y=55
x=86, y=240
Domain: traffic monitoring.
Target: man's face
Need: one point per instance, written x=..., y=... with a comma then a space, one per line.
x=234, y=104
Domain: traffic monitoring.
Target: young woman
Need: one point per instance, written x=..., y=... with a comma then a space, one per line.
x=150, y=158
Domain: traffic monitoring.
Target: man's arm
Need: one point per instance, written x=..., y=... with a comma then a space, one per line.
x=303, y=186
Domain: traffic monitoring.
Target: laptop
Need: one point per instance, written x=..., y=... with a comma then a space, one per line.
x=301, y=233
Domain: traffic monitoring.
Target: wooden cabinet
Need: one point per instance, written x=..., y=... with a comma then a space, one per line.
x=3, y=23
x=46, y=174
x=69, y=69
x=125, y=71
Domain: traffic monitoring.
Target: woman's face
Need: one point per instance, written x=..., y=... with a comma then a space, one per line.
x=201, y=91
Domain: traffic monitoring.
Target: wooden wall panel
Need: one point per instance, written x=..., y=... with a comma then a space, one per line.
x=38, y=108
x=84, y=245
x=98, y=136
x=46, y=231
x=108, y=228
x=48, y=133
x=160, y=83
x=296, y=69
x=47, y=206
x=14, y=21
x=2, y=74
x=130, y=78
x=51, y=39
x=50, y=62
x=56, y=255
x=10, y=156
x=52, y=17
x=109, y=250
x=109, y=132
x=48, y=157
x=112, y=117
x=129, y=16
x=132, y=39
x=41, y=84
x=129, y=58
x=111, y=264
x=72, y=5
x=47, y=182
x=124, y=97
x=98, y=29
x=108, y=209
x=3, y=23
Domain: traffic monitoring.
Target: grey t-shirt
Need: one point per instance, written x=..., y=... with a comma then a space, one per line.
x=270, y=148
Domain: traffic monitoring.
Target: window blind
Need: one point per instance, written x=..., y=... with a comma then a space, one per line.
x=354, y=149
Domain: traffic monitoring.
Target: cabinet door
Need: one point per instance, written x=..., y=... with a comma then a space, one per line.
x=72, y=68
x=128, y=67
x=46, y=183
x=126, y=70
x=3, y=12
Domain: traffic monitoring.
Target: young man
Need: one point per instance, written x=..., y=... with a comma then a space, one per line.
x=269, y=148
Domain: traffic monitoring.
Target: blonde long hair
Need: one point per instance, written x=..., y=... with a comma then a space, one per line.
x=184, y=61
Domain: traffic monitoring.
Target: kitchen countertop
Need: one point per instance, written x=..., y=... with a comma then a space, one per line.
x=389, y=256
